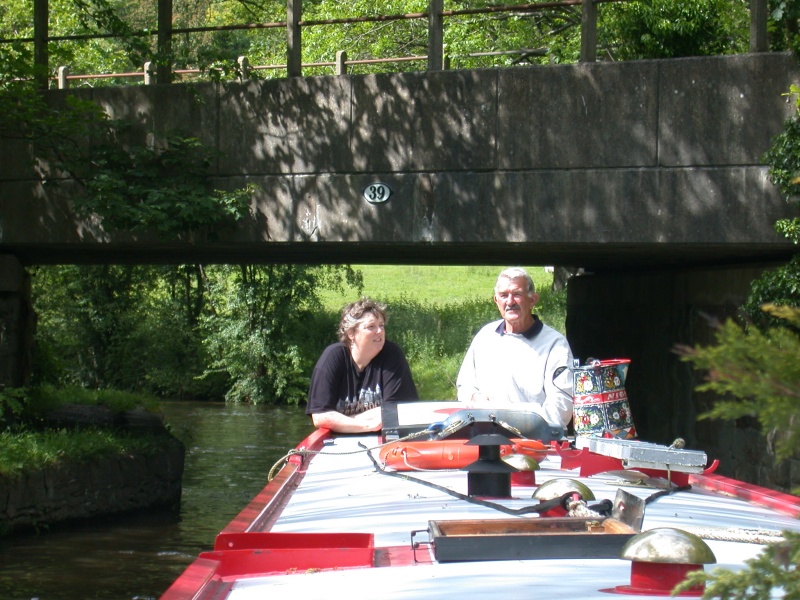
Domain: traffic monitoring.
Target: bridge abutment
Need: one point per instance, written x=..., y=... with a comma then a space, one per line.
x=643, y=317
x=17, y=323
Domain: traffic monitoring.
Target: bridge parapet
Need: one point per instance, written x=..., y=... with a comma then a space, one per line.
x=640, y=162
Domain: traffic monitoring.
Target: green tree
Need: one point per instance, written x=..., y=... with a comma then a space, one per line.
x=782, y=285
x=265, y=327
x=87, y=315
x=784, y=25
x=165, y=189
x=758, y=374
x=675, y=28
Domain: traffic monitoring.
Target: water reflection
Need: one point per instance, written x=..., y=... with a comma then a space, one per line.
x=230, y=451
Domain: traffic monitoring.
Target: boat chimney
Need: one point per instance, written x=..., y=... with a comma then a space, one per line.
x=489, y=476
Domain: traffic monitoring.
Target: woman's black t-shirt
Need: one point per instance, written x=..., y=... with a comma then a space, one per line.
x=336, y=383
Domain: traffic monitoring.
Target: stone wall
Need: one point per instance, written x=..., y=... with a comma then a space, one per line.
x=78, y=491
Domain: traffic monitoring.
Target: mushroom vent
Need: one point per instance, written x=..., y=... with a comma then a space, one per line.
x=557, y=488
x=526, y=469
x=661, y=559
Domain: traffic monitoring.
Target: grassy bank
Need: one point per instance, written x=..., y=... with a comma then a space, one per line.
x=435, y=311
x=29, y=442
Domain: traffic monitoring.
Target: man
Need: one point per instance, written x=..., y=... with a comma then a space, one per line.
x=514, y=360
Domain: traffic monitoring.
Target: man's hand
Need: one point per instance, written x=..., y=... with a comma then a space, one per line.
x=478, y=400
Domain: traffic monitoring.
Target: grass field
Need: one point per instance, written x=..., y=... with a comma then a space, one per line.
x=435, y=311
x=430, y=284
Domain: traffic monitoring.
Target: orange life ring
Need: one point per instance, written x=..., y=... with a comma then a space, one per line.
x=449, y=454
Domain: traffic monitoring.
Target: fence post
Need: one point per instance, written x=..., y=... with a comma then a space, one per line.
x=435, y=35
x=588, y=31
x=758, y=26
x=148, y=73
x=63, y=82
x=244, y=68
x=41, y=31
x=341, y=62
x=163, y=70
x=294, y=57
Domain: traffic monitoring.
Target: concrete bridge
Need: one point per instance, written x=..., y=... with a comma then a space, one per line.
x=648, y=174
x=602, y=165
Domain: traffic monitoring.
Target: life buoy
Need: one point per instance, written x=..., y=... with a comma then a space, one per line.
x=450, y=454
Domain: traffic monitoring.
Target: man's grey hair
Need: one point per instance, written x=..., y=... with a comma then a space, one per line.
x=515, y=273
x=355, y=312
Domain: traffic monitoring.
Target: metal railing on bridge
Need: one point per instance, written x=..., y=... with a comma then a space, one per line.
x=435, y=59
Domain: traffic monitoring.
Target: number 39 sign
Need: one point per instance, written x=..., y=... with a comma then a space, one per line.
x=375, y=193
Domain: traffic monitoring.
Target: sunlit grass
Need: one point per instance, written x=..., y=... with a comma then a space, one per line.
x=26, y=445
x=429, y=284
x=30, y=451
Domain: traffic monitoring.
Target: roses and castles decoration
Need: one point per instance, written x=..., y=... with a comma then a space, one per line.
x=600, y=402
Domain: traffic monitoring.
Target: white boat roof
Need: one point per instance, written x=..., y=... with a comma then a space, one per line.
x=342, y=492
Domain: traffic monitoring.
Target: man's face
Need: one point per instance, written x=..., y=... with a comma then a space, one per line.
x=513, y=301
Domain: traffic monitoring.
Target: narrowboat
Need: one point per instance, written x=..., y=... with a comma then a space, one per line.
x=450, y=501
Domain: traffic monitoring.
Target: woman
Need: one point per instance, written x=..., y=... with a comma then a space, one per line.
x=355, y=375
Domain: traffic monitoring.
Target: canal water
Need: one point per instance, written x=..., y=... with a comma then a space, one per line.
x=230, y=451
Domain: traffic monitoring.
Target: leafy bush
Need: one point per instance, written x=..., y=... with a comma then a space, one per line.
x=758, y=375
x=675, y=28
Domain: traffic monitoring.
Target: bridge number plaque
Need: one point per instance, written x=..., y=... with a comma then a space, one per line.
x=377, y=193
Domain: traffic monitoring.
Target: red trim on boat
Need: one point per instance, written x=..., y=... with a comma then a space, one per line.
x=254, y=554
x=261, y=512
x=200, y=580
x=197, y=582
x=785, y=504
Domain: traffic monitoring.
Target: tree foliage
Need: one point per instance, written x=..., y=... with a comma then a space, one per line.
x=774, y=570
x=784, y=25
x=247, y=333
x=550, y=34
x=676, y=28
x=263, y=331
x=149, y=189
x=781, y=285
x=760, y=371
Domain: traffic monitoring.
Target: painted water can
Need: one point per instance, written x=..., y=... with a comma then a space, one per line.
x=600, y=402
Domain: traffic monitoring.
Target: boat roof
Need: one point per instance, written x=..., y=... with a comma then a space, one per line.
x=335, y=520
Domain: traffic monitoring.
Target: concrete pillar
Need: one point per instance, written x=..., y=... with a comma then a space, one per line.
x=17, y=323
x=341, y=62
x=63, y=78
